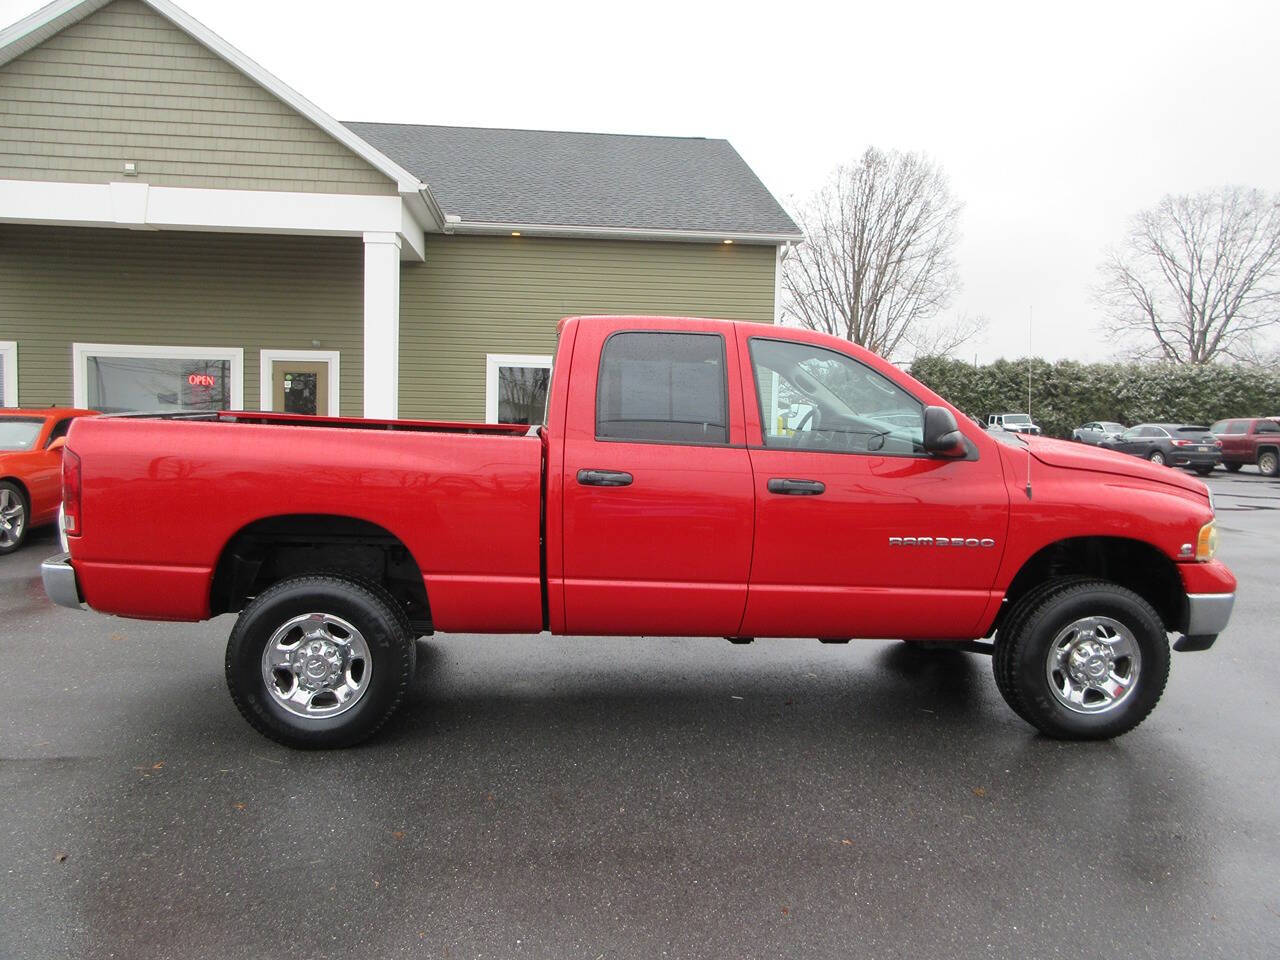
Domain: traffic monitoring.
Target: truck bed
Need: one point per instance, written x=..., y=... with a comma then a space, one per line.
x=464, y=499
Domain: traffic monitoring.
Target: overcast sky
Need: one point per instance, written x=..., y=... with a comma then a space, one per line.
x=1055, y=123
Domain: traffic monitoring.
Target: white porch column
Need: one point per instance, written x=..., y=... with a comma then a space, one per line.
x=381, y=325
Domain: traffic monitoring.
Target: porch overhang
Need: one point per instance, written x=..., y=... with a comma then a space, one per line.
x=388, y=227
x=141, y=206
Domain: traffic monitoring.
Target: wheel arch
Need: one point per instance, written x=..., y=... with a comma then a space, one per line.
x=271, y=549
x=17, y=482
x=1135, y=564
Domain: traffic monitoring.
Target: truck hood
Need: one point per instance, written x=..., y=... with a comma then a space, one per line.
x=1080, y=456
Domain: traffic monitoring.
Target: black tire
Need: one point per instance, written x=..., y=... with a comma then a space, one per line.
x=363, y=605
x=1157, y=457
x=1269, y=463
x=1023, y=644
x=11, y=493
x=1012, y=624
x=1233, y=467
x=1204, y=471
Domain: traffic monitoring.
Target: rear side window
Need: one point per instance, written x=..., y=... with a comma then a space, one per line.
x=59, y=430
x=663, y=388
x=1236, y=426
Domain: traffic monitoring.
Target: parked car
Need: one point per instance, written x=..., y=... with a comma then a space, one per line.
x=1013, y=422
x=1253, y=440
x=1096, y=431
x=1171, y=444
x=661, y=498
x=31, y=444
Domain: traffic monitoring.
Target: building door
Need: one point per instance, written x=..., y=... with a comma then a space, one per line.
x=302, y=382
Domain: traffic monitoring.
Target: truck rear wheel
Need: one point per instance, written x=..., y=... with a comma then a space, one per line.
x=1233, y=467
x=320, y=661
x=1082, y=659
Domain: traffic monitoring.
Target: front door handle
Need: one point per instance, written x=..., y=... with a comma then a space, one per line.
x=604, y=478
x=797, y=488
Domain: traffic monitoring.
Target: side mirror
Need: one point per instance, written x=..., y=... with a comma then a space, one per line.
x=57, y=445
x=942, y=436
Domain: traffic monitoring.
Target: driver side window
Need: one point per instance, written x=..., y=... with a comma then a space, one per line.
x=812, y=398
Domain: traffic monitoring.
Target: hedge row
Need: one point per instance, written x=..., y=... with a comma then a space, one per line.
x=1066, y=394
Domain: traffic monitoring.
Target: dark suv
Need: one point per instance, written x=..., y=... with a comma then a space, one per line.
x=1249, y=441
x=1175, y=444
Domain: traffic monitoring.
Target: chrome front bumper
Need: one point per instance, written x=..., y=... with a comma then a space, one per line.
x=60, y=582
x=1207, y=616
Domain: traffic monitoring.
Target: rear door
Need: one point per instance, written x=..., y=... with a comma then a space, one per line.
x=1138, y=441
x=657, y=496
x=858, y=531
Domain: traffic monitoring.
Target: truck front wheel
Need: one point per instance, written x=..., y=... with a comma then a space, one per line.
x=1082, y=659
x=320, y=661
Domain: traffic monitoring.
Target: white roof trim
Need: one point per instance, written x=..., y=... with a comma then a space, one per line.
x=33, y=30
x=620, y=233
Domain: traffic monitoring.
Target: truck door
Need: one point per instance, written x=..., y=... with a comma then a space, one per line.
x=858, y=531
x=657, y=486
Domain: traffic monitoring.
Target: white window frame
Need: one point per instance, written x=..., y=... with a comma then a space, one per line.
x=492, y=362
x=268, y=357
x=81, y=352
x=9, y=362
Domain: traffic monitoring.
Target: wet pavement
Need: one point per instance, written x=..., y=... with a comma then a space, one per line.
x=628, y=798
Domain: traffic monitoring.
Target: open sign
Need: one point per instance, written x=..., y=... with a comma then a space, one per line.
x=200, y=380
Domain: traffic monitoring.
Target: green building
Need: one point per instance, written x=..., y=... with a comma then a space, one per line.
x=181, y=230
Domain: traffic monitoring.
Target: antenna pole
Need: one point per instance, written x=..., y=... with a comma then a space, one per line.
x=1031, y=314
x=1030, y=319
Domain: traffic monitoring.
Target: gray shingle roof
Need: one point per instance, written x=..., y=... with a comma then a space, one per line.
x=583, y=179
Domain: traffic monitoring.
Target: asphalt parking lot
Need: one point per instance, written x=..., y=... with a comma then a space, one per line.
x=611, y=798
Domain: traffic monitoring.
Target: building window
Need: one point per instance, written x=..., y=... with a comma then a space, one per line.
x=118, y=378
x=516, y=387
x=8, y=373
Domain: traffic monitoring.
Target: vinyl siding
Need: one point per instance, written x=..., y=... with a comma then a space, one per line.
x=472, y=296
x=64, y=285
x=479, y=295
x=126, y=84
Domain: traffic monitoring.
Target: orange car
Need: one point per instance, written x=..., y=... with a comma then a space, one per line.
x=31, y=469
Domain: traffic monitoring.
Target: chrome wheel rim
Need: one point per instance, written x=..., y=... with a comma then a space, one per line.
x=1093, y=665
x=1158, y=459
x=1267, y=463
x=13, y=518
x=316, y=666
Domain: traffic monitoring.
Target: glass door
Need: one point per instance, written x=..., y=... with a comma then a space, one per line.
x=300, y=386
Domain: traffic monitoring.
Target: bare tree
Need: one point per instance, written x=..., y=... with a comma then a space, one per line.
x=1198, y=278
x=878, y=261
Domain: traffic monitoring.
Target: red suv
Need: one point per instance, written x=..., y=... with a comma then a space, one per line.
x=1253, y=440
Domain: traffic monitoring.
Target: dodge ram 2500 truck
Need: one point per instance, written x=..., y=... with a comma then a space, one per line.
x=672, y=491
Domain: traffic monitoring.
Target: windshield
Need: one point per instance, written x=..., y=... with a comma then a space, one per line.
x=19, y=433
x=1016, y=418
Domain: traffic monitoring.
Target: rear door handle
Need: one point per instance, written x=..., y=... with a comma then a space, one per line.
x=797, y=488
x=604, y=478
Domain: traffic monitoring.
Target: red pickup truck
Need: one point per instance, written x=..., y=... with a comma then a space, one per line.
x=1248, y=441
x=693, y=478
